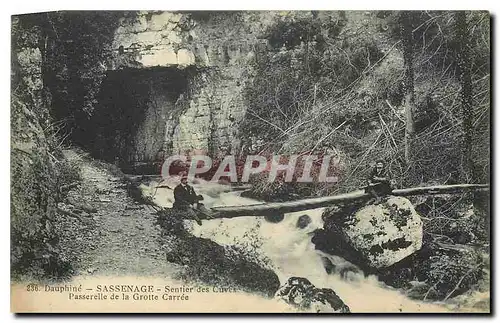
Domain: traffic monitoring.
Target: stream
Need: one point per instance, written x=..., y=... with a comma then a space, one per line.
x=288, y=250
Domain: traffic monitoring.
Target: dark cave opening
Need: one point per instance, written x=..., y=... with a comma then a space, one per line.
x=128, y=126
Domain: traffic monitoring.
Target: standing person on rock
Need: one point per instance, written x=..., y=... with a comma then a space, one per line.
x=187, y=201
x=379, y=183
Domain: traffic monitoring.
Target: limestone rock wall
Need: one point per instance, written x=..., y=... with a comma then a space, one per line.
x=219, y=47
x=34, y=168
x=30, y=106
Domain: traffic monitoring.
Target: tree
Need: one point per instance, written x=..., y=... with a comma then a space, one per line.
x=406, y=27
x=464, y=67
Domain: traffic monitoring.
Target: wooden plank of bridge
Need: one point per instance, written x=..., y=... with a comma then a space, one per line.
x=264, y=209
x=285, y=207
x=440, y=189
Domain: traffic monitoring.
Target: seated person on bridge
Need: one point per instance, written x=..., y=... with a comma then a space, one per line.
x=187, y=201
x=379, y=183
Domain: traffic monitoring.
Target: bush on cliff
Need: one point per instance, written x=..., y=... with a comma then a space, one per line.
x=40, y=176
x=436, y=272
x=38, y=183
x=335, y=81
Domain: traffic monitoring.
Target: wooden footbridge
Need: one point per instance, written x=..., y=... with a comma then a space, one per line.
x=280, y=208
x=265, y=209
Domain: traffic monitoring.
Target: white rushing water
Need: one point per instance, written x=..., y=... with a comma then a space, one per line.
x=289, y=250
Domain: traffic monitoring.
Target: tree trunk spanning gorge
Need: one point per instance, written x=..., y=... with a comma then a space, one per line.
x=353, y=197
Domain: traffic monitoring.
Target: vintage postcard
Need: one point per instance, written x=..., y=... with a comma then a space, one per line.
x=250, y=162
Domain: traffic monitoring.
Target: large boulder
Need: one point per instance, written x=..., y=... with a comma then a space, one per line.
x=374, y=235
x=385, y=233
x=302, y=294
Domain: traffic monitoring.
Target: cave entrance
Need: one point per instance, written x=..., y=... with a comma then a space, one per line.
x=128, y=126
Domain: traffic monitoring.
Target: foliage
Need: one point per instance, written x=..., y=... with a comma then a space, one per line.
x=437, y=272
x=307, y=62
x=342, y=90
x=78, y=46
x=32, y=208
x=454, y=219
x=452, y=272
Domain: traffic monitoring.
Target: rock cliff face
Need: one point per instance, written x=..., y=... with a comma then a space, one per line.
x=132, y=87
x=180, y=75
x=36, y=166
